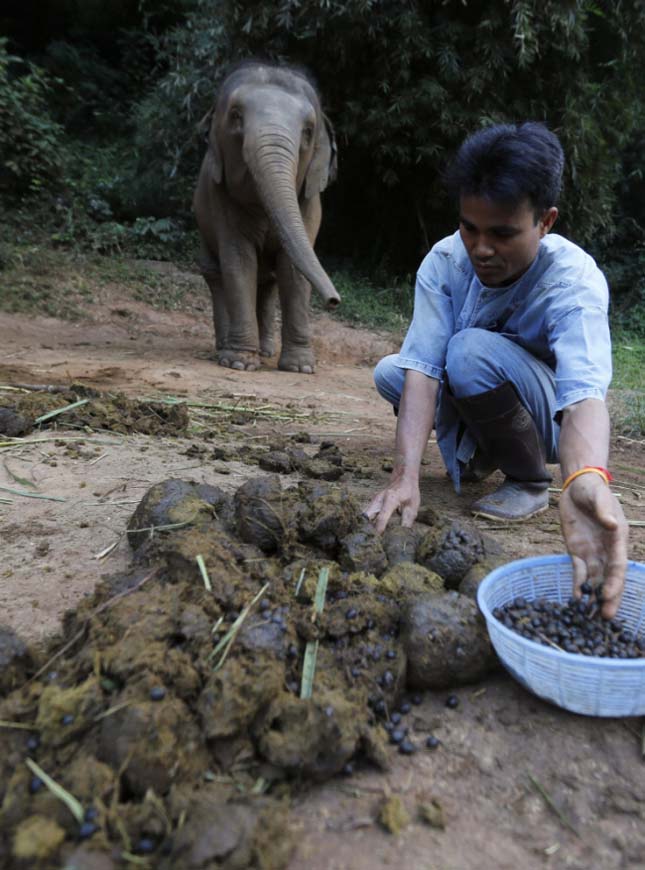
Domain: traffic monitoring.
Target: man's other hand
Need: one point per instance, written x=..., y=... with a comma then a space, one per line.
x=595, y=533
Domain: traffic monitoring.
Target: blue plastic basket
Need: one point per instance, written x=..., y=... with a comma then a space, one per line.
x=590, y=685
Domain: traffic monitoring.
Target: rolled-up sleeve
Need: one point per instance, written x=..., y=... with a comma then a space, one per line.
x=581, y=343
x=424, y=347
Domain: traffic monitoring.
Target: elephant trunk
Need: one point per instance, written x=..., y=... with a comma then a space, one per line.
x=273, y=167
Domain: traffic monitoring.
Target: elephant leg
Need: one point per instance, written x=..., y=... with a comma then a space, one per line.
x=267, y=299
x=295, y=292
x=213, y=277
x=239, y=284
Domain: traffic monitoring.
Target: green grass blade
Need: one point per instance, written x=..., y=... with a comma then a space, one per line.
x=202, y=570
x=31, y=494
x=227, y=641
x=309, y=669
x=321, y=590
x=58, y=791
x=58, y=411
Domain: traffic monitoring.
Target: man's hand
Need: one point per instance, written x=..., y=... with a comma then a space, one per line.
x=402, y=494
x=413, y=427
x=595, y=532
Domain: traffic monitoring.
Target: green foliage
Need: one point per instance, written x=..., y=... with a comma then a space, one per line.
x=30, y=138
x=404, y=82
x=377, y=305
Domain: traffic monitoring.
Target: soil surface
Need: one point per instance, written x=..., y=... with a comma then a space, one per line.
x=513, y=781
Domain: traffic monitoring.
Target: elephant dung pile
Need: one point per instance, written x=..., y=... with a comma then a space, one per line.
x=85, y=407
x=174, y=715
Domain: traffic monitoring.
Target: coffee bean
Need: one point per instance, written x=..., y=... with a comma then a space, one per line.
x=397, y=736
x=432, y=742
x=158, y=693
x=35, y=784
x=87, y=829
x=452, y=701
x=406, y=747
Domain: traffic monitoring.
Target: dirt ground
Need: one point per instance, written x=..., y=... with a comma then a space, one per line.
x=520, y=783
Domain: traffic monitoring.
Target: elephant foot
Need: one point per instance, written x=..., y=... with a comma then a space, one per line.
x=297, y=360
x=267, y=348
x=240, y=360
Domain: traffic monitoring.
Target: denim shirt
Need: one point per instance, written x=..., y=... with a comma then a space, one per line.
x=557, y=311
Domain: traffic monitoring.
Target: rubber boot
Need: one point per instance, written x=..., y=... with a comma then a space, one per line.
x=507, y=435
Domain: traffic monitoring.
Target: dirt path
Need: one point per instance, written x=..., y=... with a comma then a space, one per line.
x=498, y=748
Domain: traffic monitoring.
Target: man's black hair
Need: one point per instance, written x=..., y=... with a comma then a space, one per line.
x=509, y=163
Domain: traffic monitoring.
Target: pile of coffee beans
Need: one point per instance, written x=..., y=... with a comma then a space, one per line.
x=574, y=627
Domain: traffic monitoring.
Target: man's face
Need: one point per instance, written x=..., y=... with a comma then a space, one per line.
x=502, y=240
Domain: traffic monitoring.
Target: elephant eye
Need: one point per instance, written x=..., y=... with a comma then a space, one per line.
x=307, y=134
x=235, y=115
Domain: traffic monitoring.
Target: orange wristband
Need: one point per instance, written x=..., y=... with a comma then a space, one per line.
x=596, y=469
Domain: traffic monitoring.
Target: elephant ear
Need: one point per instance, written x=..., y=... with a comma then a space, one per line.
x=213, y=154
x=324, y=163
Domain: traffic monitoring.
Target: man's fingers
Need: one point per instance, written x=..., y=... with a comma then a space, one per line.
x=374, y=506
x=389, y=505
x=579, y=574
x=408, y=516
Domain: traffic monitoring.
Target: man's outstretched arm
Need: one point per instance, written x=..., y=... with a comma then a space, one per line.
x=414, y=425
x=592, y=519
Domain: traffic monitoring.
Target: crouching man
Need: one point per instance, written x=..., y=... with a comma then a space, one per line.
x=508, y=356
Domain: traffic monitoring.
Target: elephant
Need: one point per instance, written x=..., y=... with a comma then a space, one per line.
x=271, y=151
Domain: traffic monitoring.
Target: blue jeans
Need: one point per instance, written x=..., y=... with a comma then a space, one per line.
x=477, y=361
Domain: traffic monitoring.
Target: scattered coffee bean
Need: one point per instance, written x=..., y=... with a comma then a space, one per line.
x=416, y=700
x=395, y=718
x=405, y=708
x=145, y=846
x=292, y=651
x=348, y=769
x=158, y=693
x=397, y=735
x=407, y=747
x=67, y=719
x=380, y=707
x=91, y=813
x=35, y=784
x=352, y=613
x=432, y=742
x=87, y=829
x=390, y=654
x=452, y=701
x=586, y=588
x=33, y=742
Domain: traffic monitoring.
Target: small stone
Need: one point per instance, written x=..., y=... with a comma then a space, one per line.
x=452, y=701
x=158, y=693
